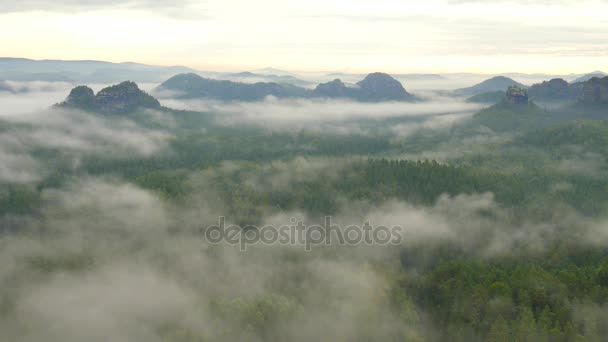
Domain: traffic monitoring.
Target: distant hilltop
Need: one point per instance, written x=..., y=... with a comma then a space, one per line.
x=376, y=87
x=122, y=98
x=494, y=84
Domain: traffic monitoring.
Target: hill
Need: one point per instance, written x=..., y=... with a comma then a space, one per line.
x=379, y=87
x=494, y=84
x=555, y=90
x=513, y=113
x=122, y=98
x=335, y=89
x=376, y=87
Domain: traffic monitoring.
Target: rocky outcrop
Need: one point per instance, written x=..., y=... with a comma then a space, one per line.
x=516, y=96
x=555, y=90
x=81, y=97
x=595, y=91
x=122, y=98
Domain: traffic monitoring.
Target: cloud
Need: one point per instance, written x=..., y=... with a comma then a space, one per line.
x=111, y=205
x=78, y=132
x=87, y=5
x=18, y=168
x=107, y=304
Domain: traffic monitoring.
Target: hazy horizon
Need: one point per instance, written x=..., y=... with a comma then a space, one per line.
x=348, y=36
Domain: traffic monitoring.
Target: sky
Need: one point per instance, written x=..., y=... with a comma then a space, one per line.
x=482, y=36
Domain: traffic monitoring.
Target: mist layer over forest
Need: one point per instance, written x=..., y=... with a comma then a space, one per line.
x=103, y=218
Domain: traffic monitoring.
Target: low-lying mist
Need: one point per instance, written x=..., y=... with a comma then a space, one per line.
x=104, y=256
x=343, y=117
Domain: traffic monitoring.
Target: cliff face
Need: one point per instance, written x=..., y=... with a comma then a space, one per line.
x=517, y=96
x=595, y=91
x=122, y=98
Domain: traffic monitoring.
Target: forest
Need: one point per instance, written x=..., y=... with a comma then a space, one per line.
x=504, y=211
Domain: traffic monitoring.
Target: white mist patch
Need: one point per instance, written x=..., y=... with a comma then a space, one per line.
x=80, y=132
x=332, y=116
x=119, y=302
x=305, y=110
x=18, y=168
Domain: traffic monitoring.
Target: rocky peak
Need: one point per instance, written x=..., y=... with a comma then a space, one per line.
x=557, y=83
x=517, y=96
x=125, y=97
x=81, y=97
x=596, y=90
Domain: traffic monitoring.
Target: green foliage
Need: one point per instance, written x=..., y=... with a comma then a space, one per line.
x=588, y=135
x=507, y=117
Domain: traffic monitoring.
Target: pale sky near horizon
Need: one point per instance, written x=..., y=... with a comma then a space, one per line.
x=484, y=36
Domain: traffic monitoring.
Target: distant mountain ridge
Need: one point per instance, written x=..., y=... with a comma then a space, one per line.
x=252, y=77
x=83, y=71
x=587, y=77
x=374, y=87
